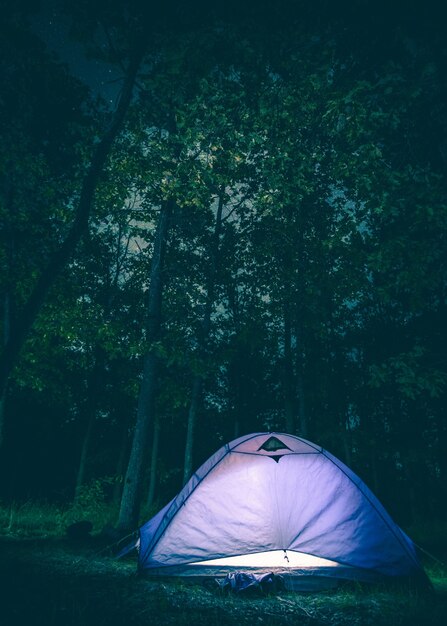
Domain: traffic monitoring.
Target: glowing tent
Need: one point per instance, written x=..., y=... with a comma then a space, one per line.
x=276, y=502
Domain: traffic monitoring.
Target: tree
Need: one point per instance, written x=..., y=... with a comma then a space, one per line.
x=26, y=316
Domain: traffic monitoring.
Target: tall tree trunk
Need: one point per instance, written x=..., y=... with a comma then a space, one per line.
x=236, y=427
x=130, y=500
x=374, y=472
x=26, y=318
x=154, y=461
x=203, y=340
x=299, y=327
x=289, y=378
x=302, y=414
x=234, y=400
x=192, y=419
x=120, y=468
x=80, y=477
x=95, y=385
x=6, y=333
x=441, y=456
x=2, y=416
x=346, y=440
x=300, y=386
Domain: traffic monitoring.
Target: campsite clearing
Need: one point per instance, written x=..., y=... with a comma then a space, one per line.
x=50, y=583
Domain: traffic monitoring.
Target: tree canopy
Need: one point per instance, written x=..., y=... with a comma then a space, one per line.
x=262, y=247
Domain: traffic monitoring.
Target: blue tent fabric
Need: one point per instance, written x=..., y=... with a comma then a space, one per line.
x=255, y=496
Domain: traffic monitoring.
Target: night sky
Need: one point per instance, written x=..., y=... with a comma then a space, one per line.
x=376, y=22
x=414, y=17
x=51, y=24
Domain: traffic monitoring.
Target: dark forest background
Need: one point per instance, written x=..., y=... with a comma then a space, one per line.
x=251, y=237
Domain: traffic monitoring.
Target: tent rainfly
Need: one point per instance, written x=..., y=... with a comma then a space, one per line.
x=272, y=502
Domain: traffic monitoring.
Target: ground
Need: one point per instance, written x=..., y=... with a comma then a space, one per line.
x=50, y=582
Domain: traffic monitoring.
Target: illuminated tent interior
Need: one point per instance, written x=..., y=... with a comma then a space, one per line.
x=271, y=502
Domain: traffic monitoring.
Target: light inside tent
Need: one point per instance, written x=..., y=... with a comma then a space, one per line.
x=271, y=558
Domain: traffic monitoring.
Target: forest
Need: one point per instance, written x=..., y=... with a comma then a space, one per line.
x=248, y=236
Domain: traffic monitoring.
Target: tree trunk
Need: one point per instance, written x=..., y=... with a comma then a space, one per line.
x=300, y=386
x=84, y=454
x=203, y=340
x=154, y=462
x=26, y=318
x=237, y=428
x=6, y=333
x=441, y=456
x=120, y=467
x=130, y=500
x=374, y=473
x=289, y=382
x=234, y=402
x=302, y=416
x=192, y=419
x=236, y=405
x=346, y=438
x=2, y=417
x=95, y=385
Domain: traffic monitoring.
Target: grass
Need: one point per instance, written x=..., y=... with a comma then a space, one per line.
x=49, y=583
x=46, y=581
x=43, y=519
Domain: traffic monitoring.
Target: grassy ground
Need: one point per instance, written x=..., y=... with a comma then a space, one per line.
x=48, y=582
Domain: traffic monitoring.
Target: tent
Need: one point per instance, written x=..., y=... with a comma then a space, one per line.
x=276, y=502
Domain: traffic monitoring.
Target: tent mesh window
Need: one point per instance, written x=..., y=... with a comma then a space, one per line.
x=273, y=444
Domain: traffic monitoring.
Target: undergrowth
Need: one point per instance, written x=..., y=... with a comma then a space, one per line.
x=36, y=519
x=76, y=586
x=45, y=519
x=42, y=519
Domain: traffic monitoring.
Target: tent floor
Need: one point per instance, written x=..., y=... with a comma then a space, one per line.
x=303, y=579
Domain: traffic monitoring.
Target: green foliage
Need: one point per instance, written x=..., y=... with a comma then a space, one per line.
x=30, y=519
x=44, y=519
x=92, y=504
x=407, y=373
x=330, y=167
